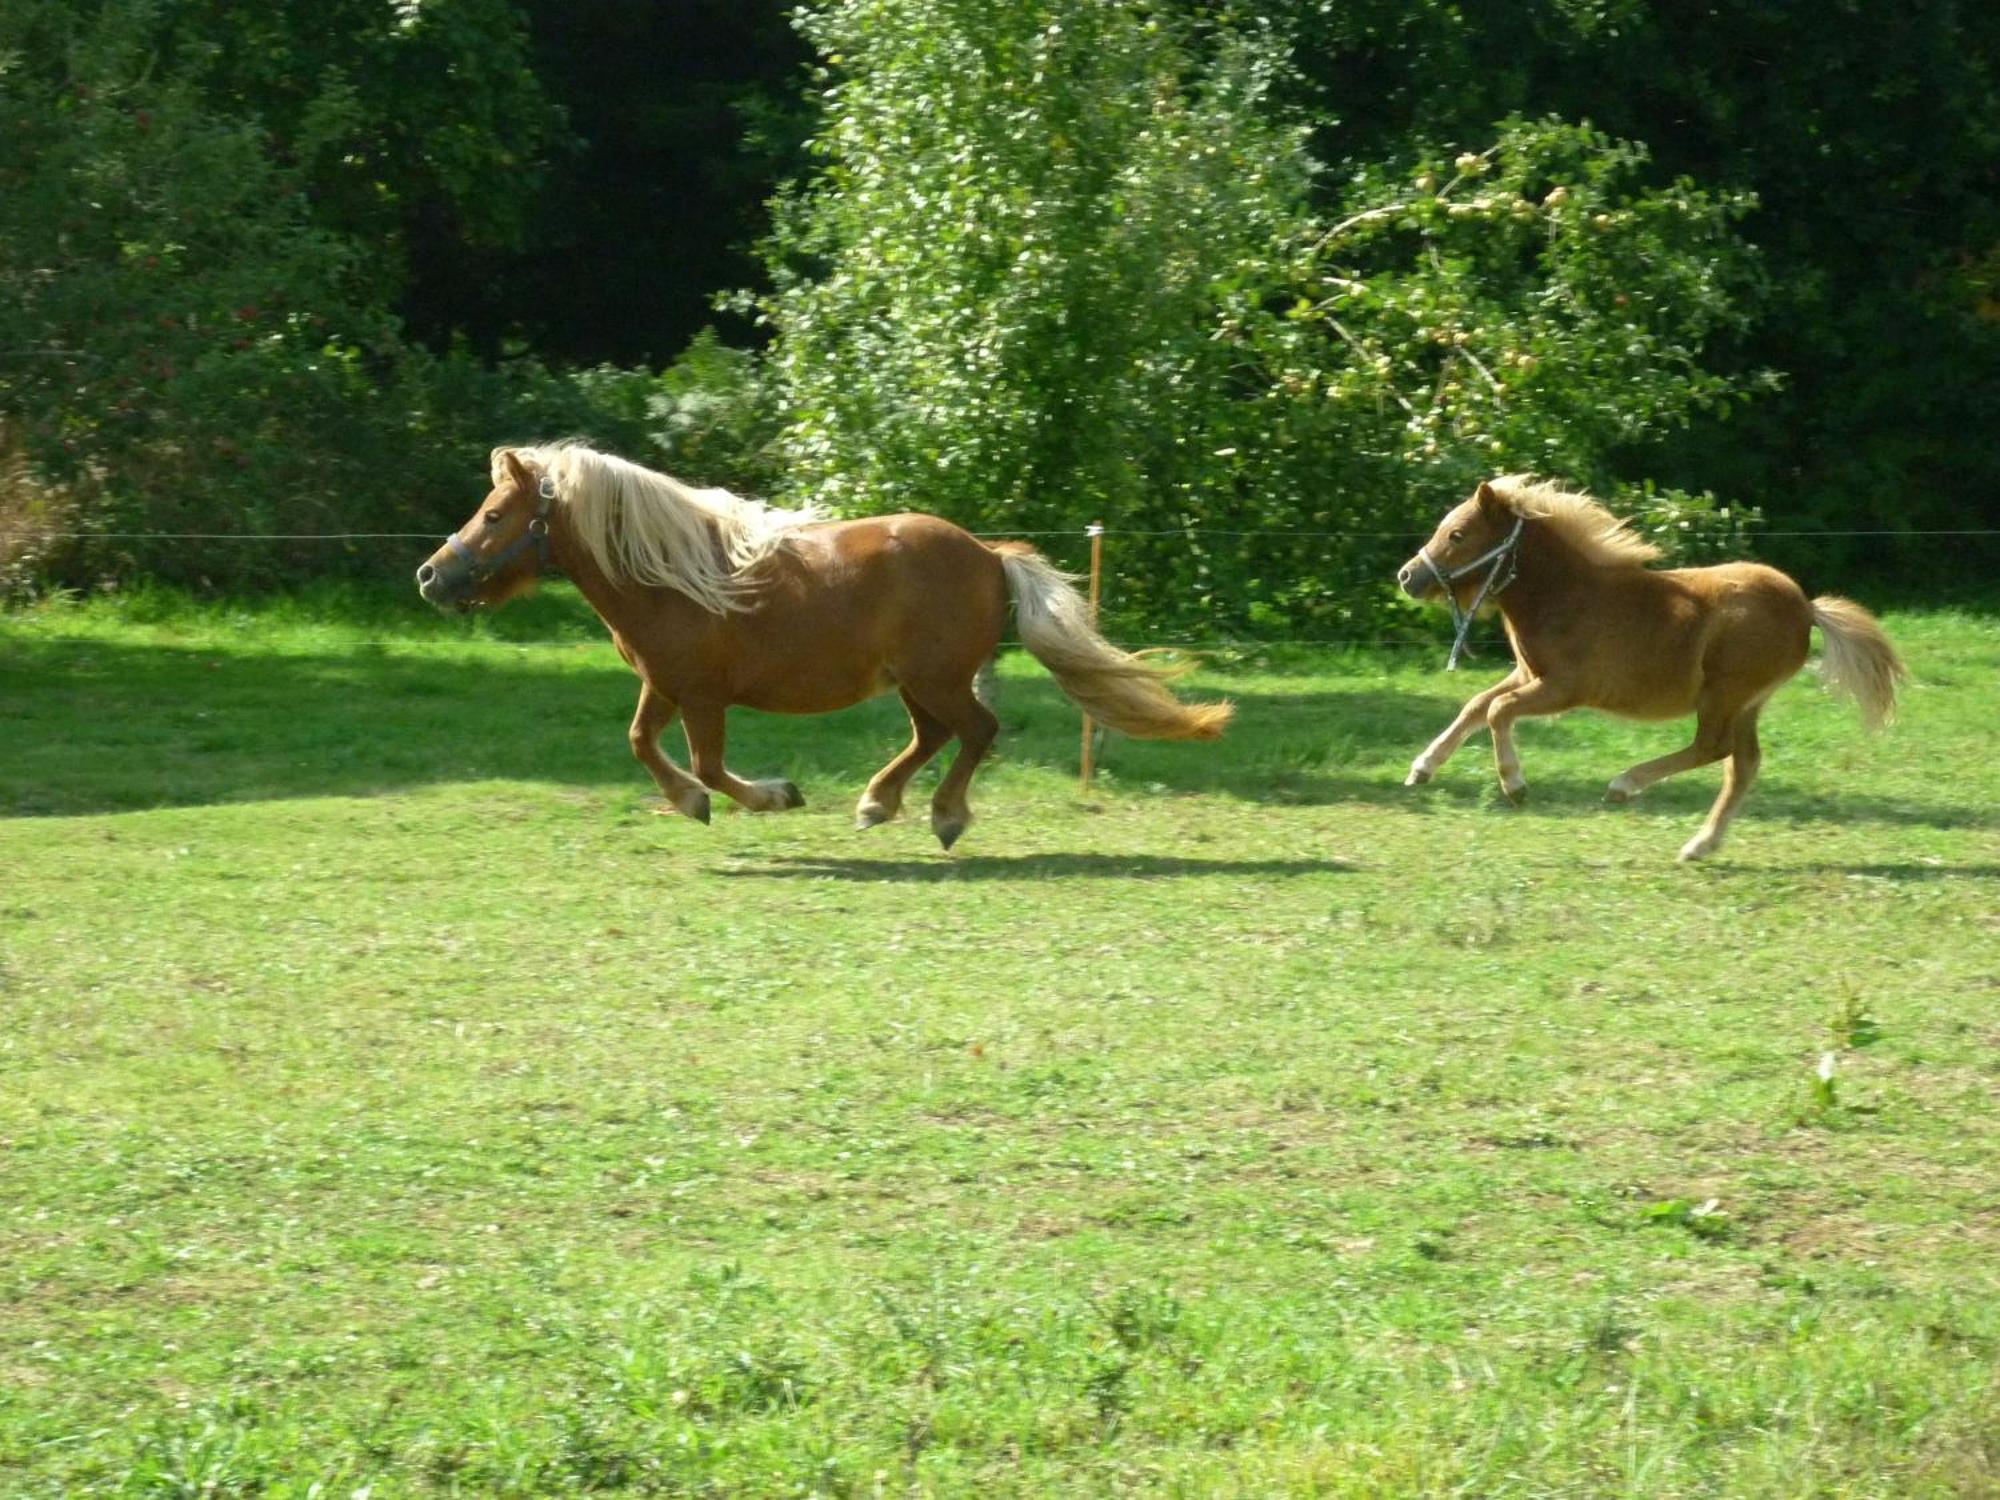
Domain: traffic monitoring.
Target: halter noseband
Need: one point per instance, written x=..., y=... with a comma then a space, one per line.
x=1505, y=559
x=479, y=569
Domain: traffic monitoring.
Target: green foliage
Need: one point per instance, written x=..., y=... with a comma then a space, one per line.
x=995, y=299
x=184, y=348
x=1062, y=263
x=168, y=315
x=710, y=417
x=1876, y=229
x=1053, y=262
x=417, y=128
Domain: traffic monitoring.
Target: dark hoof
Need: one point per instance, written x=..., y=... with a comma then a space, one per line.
x=947, y=833
x=699, y=812
x=792, y=795
x=871, y=816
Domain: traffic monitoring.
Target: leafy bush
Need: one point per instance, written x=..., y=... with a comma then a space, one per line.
x=1062, y=263
x=184, y=350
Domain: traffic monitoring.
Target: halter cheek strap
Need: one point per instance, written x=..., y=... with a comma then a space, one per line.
x=1504, y=559
x=479, y=569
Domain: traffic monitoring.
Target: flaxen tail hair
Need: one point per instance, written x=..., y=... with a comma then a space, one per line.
x=1114, y=687
x=1858, y=659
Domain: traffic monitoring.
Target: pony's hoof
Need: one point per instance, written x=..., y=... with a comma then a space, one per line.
x=1516, y=793
x=695, y=807
x=1620, y=792
x=947, y=830
x=871, y=815
x=1698, y=847
x=1418, y=776
x=789, y=797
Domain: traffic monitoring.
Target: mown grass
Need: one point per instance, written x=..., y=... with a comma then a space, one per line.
x=389, y=1102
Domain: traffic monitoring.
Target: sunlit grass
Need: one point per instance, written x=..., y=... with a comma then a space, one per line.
x=388, y=1099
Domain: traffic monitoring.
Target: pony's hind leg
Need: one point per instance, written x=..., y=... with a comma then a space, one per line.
x=884, y=797
x=704, y=726
x=683, y=793
x=964, y=715
x=1470, y=718
x=1711, y=743
x=1745, y=756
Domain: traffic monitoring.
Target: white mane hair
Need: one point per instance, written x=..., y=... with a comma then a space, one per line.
x=645, y=527
x=1581, y=518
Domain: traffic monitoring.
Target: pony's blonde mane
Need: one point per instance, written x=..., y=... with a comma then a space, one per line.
x=1576, y=517
x=645, y=527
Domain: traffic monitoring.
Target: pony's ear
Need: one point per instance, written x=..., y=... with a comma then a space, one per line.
x=516, y=470
x=1486, y=499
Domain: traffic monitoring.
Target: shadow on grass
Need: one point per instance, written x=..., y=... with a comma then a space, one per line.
x=101, y=727
x=945, y=867
x=1562, y=796
x=1900, y=872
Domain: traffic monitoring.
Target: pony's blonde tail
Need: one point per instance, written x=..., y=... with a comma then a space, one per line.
x=1114, y=687
x=1858, y=658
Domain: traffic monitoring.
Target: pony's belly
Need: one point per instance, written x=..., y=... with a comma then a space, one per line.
x=820, y=693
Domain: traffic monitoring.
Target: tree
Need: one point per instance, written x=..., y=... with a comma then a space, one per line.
x=1059, y=262
x=1868, y=134
x=184, y=346
x=418, y=128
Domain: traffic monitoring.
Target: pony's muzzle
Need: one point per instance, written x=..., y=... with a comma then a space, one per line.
x=446, y=592
x=1416, y=578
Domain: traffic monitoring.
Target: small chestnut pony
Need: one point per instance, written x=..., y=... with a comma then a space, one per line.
x=717, y=601
x=1593, y=627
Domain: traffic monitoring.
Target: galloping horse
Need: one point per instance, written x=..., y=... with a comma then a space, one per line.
x=1593, y=627
x=716, y=601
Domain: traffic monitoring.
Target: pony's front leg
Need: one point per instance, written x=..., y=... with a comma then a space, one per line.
x=683, y=793
x=1469, y=719
x=704, y=730
x=1527, y=701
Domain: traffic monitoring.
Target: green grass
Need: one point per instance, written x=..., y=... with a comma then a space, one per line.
x=389, y=1102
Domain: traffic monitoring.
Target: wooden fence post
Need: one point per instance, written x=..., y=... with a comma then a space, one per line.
x=1096, y=535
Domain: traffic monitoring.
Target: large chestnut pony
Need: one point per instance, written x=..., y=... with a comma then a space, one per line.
x=716, y=600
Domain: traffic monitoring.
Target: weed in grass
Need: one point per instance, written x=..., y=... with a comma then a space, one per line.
x=1705, y=1220
x=1825, y=1089
x=1852, y=1025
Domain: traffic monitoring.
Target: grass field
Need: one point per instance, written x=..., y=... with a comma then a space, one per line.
x=389, y=1104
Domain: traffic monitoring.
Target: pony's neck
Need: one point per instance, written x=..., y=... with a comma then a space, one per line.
x=1548, y=568
x=615, y=603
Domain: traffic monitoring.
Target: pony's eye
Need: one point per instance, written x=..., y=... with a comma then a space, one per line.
x=1457, y=537
x=493, y=518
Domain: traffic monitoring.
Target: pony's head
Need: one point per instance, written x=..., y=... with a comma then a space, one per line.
x=1474, y=532
x=502, y=549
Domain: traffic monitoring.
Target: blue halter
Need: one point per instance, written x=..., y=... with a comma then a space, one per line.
x=1505, y=559
x=478, y=569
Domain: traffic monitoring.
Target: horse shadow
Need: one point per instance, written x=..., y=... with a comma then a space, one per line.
x=99, y=727
x=1903, y=872
x=96, y=726
x=942, y=868
x=1568, y=795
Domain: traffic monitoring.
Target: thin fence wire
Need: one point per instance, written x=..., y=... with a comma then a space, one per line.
x=1218, y=645
x=1192, y=533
